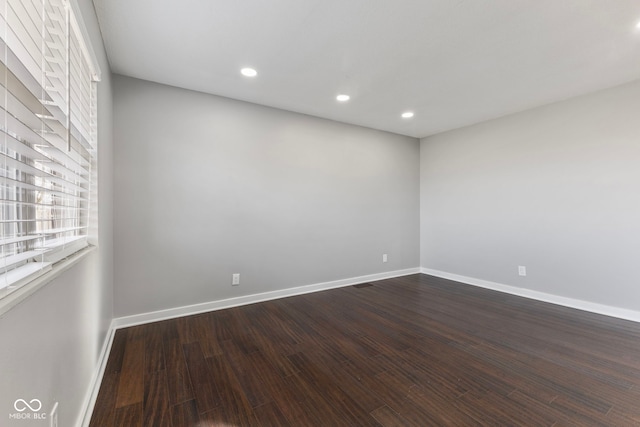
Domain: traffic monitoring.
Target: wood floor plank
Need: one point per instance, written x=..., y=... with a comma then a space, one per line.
x=337, y=374
x=202, y=380
x=623, y=417
x=290, y=403
x=103, y=412
x=185, y=414
x=237, y=326
x=249, y=376
x=209, y=332
x=389, y=418
x=412, y=351
x=393, y=387
x=269, y=415
x=275, y=338
x=431, y=409
x=516, y=369
x=276, y=355
x=156, y=409
x=530, y=371
x=168, y=329
x=317, y=407
x=116, y=355
x=325, y=388
x=550, y=415
x=489, y=408
x=577, y=407
x=234, y=407
x=187, y=333
x=177, y=372
x=131, y=381
x=128, y=416
x=154, y=354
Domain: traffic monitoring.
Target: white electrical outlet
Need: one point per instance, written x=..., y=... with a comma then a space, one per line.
x=53, y=416
x=522, y=270
x=235, y=279
x=384, y=258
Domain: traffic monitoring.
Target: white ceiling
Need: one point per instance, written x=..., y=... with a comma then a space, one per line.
x=453, y=62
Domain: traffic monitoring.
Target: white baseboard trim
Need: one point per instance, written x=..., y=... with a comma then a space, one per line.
x=620, y=313
x=171, y=313
x=96, y=380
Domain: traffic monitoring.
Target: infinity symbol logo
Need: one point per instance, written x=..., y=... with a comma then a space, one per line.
x=21, y=403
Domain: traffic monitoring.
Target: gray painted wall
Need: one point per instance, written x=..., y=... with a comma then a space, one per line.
x=208, y=186
x=51, y=341
x=556, y=189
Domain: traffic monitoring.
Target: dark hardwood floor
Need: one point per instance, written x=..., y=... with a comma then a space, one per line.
x=412, y=351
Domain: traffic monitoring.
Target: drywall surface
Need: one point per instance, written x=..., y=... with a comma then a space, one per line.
x=52, y=340
x=555, y=189
x=208, y=187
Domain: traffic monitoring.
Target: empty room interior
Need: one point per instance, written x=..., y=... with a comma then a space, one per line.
x=320, y=213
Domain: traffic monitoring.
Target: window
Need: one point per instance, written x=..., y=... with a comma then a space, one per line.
x=48, y=138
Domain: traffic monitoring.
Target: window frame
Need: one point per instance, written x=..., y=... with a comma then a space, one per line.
x=30, y=172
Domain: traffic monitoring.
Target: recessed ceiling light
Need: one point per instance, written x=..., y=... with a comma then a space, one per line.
x=638, y=25
x=407, y=115
x=249, y=72
x=343, y=98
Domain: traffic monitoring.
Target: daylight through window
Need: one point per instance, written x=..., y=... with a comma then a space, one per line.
x=47, y=138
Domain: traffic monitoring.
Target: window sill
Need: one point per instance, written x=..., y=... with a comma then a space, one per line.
x=24, y=292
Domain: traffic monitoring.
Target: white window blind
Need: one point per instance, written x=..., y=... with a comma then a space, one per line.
x=48, y=138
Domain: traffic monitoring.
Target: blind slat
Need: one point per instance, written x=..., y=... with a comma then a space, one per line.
x=19, y=239
x=47, y=137
x=61, y=230
x=47, y=191
x=23, y=167
x=23, y=274
x=12, y=260
x=38, y=220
